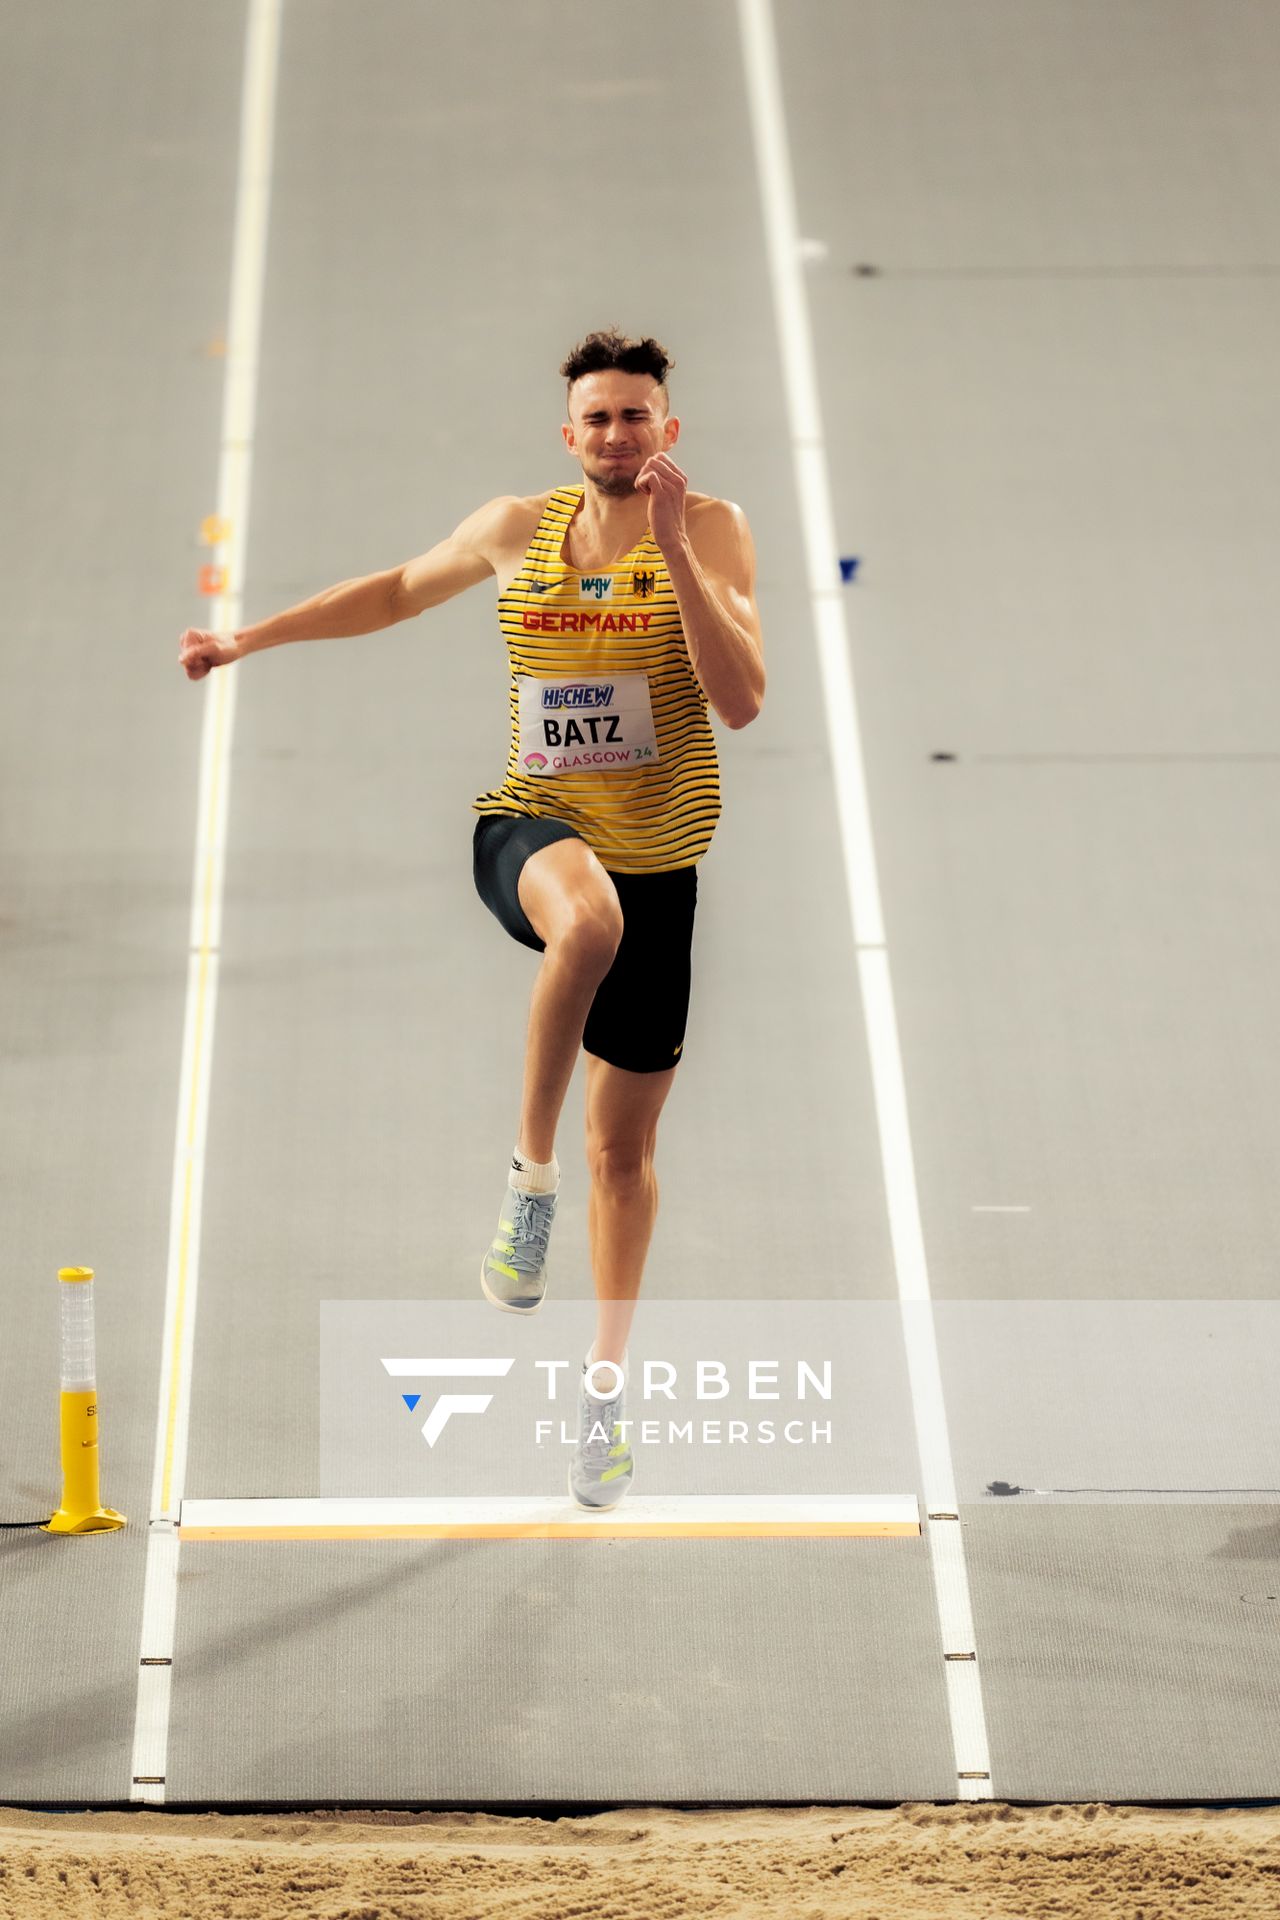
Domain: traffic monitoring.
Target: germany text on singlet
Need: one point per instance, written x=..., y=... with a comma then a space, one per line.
x=609, y=727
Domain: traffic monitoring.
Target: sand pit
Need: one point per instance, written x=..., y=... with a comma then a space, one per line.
x=913, y=1862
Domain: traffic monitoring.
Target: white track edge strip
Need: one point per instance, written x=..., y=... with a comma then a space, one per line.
x=239, y=402
x=472, y=1515
x=942, y=1523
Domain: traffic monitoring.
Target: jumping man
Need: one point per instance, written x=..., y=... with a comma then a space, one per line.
x=627, y=605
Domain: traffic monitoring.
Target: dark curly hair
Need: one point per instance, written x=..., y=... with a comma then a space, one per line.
x=613, y=349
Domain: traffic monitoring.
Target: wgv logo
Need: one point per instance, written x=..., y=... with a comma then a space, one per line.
x=432, y=1369
x=596, y=586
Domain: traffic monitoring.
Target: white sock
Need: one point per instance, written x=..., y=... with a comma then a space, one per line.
x=533, y=1176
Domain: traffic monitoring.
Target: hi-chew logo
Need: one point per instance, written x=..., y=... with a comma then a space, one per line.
x=596, y=586
x=448, y=1403
x=578, y=693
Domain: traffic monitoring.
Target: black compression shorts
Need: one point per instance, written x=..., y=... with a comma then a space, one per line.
x=638, y=1017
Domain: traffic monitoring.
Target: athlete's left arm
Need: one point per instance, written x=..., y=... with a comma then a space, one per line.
x=713, y=572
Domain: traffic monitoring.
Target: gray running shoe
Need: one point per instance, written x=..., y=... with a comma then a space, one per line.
x=513, y=1274
x=602, y=1468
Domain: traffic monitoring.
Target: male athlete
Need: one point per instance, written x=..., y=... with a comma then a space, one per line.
x=627, y=605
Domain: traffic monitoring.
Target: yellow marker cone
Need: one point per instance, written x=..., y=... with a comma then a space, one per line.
x=81, y=1510
x=214, y=529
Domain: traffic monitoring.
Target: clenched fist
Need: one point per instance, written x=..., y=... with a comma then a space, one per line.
x=199, y=650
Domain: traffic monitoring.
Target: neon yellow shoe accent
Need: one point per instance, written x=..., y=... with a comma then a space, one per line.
x=504, y=1246
x=508, y=1226
x=499, y=1268
x=611, y=1473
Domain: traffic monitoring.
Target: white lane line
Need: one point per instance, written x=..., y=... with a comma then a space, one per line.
x=239, y=401
x=785, y=253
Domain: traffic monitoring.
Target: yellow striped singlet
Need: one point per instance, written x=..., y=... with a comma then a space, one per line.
x=609, y=727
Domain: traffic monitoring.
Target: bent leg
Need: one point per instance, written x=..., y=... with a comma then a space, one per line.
x=573, y=907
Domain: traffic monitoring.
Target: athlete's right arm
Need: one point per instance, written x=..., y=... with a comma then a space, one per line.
x=365, y=605
x=457, y=563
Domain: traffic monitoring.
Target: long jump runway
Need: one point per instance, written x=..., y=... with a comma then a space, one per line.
x=960, y=1470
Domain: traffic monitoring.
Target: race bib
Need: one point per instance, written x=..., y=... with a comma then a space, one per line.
x=593, y=723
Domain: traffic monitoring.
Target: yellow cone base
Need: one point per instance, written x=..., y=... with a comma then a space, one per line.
x=101, y=1520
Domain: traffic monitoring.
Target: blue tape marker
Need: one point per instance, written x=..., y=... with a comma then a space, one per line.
x=848, y=568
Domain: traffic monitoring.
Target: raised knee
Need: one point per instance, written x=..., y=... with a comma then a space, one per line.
x=591, y=935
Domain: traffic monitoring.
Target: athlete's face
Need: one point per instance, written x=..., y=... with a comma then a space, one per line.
x=615, y=422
